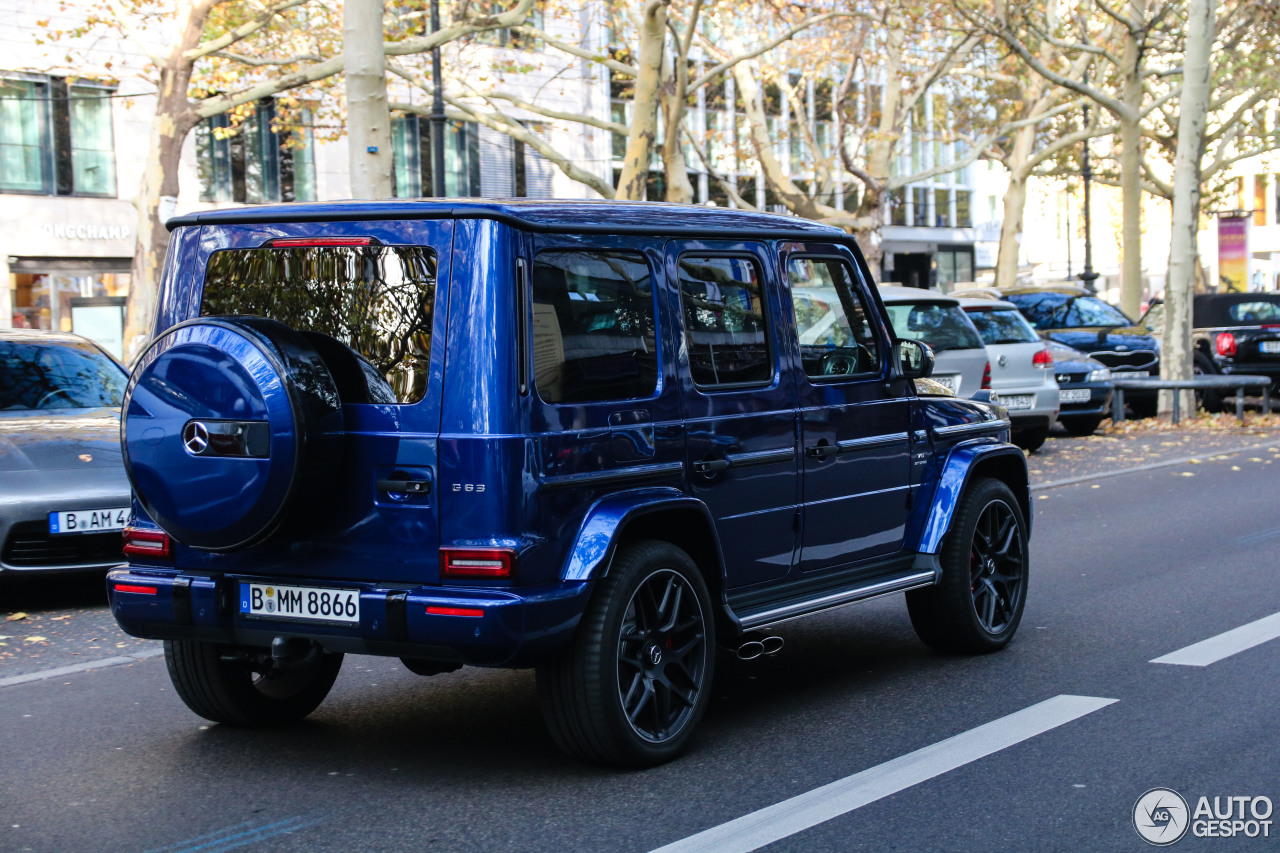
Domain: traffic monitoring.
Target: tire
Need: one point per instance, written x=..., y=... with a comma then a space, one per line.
x=1031, y=439
x=1082, y=425
x=1210, y=401
x=976, y=606
x=653, y=603
x=234, y=691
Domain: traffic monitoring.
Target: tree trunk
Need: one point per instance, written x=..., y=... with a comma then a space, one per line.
x=644, y=118
x=1131, y=289
x=368, y=117
x=674, y=166
x=1177, y=355
x=1015, y=205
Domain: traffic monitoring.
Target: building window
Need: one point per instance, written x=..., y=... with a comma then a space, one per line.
x=1259, y=199
x=55, y=138
x=255, y=162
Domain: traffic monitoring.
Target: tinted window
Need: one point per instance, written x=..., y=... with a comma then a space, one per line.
x=1064, y=311
x=377, y=300
x=593, y=328
x=1002, y=326
x=940, y=325
x=836, y=337
x=1254, y=312
x=57, y=376
x=724, y=317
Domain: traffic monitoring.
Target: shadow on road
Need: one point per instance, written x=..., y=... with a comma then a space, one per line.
x=52, y=592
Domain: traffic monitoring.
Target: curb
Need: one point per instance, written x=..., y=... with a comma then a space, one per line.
x=1152, y=466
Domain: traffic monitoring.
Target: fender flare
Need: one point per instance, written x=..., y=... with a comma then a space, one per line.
x=954, y=478
x=597, y=538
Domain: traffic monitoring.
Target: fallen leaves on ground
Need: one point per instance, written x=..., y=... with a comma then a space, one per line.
x=15, y=617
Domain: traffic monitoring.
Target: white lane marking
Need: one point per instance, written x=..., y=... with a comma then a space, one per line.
x=755, y=830
x=80, y=667
x=1225, y=645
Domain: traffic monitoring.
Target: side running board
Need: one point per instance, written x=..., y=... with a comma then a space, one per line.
x=783, y=611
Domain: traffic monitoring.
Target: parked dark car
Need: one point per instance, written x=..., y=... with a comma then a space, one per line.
x=1073, y=316
x=64, y=496
x=600, y=439
x=1084, y=389
x=1231, y=333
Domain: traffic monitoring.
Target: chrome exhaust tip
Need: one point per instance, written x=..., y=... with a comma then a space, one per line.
x=772, y=645
x=750, y=650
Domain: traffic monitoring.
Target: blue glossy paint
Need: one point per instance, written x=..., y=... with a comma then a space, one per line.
x=561, y=484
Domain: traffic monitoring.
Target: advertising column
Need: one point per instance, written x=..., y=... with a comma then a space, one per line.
x=1233, y=252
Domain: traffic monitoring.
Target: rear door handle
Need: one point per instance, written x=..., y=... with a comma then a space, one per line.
x=405, y=487
x=821, y=451
x=710, y=466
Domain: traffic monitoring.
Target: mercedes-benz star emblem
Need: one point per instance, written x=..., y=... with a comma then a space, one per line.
x=195, y=437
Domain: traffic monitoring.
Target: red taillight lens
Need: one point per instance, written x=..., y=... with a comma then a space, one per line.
x=309, y=242
x=1042, y=359
x=473, y=612
x=477, y=563
x=986, y=377
x=1226, y=344
x=153, y=544
x=133, y=587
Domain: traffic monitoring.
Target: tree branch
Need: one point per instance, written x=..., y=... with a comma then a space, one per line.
x=241, y=32
x=574, y=50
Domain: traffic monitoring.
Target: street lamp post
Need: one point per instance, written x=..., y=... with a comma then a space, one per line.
x=1087, y=275
x=437, y=111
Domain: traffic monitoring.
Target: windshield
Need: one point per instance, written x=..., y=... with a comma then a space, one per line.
x=939, y=325
x=1002, y=326
x=1065, y=311
x=57, y=376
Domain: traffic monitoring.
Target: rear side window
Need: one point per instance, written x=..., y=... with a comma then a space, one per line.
x=724, y=313
x=593, y=328
x=377, y=300
x=1254, y=312
x=938, y=324
x=1002, y=326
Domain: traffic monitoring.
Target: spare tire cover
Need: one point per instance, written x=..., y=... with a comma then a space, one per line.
x=223, y=416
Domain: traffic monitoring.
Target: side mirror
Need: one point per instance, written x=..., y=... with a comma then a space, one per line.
x=915, y=359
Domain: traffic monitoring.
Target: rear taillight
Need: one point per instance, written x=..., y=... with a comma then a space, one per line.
x=477, y=563
x=148, y=544
x=311, y=242
x=136, y=589
x=470, y=612
x=1226, y=344
x=986, y=377
x=1042, y=359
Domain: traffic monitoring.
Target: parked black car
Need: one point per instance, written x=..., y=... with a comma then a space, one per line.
x=1075, y=317
x=1084, y=389
x=1232, y=333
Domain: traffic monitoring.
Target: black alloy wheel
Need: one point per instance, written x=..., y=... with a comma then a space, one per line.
x=631, y=688
x=662, y=655
x=997, y=565
x=977, y=604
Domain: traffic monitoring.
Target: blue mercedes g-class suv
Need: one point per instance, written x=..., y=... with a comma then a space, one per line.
x=601, y=439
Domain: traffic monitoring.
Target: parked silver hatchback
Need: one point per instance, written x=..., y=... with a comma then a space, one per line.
x=927, y=315
x=1021, y=368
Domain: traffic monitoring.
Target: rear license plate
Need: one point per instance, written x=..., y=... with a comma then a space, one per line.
x=301, y=603
x=89, y=520
x=951, y=381
x=1269, y=347
x=1130, y=374
x=1074, y=395
x=1016, y=401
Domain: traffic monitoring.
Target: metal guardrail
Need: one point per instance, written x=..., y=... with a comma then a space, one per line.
x=1203, y=382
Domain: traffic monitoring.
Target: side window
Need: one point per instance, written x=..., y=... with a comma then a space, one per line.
x=836, y=335
x=593, y=328
x=723, y=299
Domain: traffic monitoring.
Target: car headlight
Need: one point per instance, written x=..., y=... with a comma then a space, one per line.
x=1102, y=374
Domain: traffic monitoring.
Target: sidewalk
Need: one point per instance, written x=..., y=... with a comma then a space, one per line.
x=1150, y=443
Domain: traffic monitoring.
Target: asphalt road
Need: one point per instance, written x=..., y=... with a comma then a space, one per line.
x=1125, y=569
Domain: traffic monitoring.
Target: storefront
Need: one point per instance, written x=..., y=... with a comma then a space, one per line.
x=67, y=262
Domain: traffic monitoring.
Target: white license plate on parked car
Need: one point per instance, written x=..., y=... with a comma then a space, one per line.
x=1269, y=347
x=89, y=520
x=303, y=603
x=1074, y=395
x=951, y=381
x=1130, y=374
x=1016, y=401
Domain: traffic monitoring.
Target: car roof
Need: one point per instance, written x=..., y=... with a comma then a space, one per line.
x=580, y=215
x=41, y=336
x=985, y=303
x=1072, y=289
x=894, y=293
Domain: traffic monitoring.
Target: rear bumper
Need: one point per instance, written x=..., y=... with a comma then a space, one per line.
x=512, y=628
